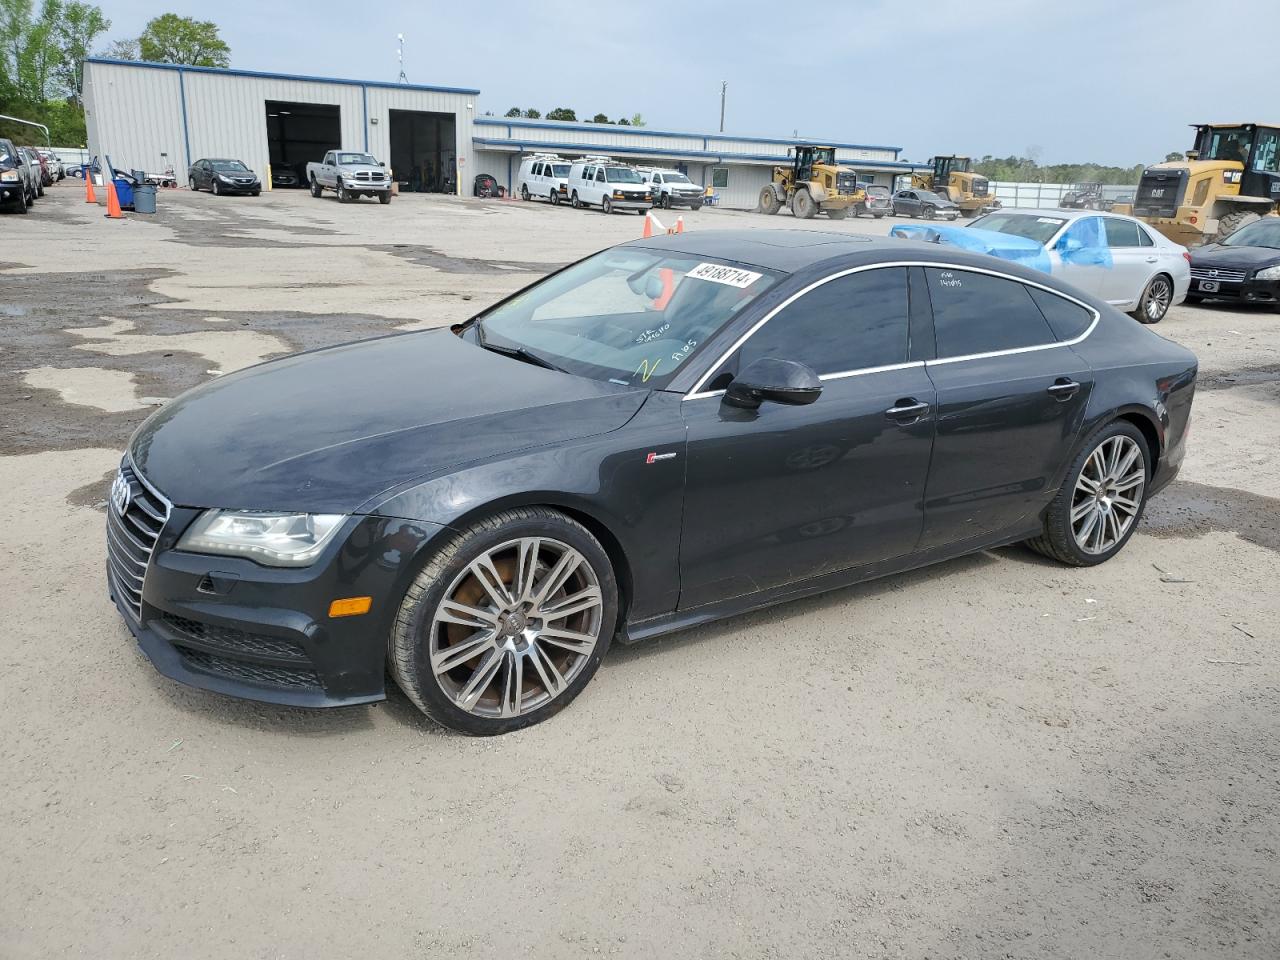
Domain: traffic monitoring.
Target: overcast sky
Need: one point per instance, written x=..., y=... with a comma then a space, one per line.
x=1113, y=82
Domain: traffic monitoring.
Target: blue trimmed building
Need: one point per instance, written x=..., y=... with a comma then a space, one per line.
x=434, y=138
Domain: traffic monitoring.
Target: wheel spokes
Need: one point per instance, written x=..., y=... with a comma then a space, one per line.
x=580, y=602
x=459, y=653
x=480, y=680
x=454, y=611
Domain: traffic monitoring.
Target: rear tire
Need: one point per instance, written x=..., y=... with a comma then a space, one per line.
x=555, y=197
x=769, y=201
x=1232, y=222
x=1155, y=300
x=574, y=201
x=1118, y=513
x=606, y=205
x=493, y=610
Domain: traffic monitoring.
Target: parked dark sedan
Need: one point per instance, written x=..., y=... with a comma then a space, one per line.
x=1245, y=266
x=924, y=204
x=670, y=431
x=223, y=176
x=283, y=175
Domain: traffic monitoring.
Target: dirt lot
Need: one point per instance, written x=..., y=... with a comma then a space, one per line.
x=996, y=757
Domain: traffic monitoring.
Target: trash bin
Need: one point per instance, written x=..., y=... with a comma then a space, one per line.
x=124, y=192
x=144, y=198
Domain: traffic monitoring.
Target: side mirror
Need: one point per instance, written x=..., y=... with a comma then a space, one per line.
x=777, y=381
x=382, y=163
x=1070, y=245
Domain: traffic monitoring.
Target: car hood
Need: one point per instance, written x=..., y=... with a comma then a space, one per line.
x=1242, y=258
x=332, y=430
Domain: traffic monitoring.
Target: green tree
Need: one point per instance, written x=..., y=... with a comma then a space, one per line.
x=513, y=112
x=532, y=114
x=1174, y=155
x=624, y=122
x=81, y=24
x=561, y=113
x=600, y=118
x=170, y=38
x=637, y=120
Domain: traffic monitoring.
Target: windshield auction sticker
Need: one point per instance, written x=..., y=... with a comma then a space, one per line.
x=718, y=273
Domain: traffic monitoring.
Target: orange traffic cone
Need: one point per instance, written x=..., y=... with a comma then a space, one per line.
x=113, y=202
x=679, y=224
x=648, y=226
x=89, y=195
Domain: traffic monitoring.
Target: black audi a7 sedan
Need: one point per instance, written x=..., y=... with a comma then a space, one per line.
x=667, y=432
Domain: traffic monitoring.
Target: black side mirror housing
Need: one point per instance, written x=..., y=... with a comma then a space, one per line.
x=773, y=380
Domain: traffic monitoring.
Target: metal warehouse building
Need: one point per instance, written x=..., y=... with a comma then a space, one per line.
x=153, y=116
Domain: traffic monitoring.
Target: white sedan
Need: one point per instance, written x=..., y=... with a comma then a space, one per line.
x=1116, y=258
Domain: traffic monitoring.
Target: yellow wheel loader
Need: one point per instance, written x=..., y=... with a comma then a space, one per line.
x=953, y=178
x=1230, y=177
x=813, y=184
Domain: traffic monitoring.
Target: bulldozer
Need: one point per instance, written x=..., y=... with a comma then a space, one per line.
x=953, y=178
x=813, y=184
x=1229, y=178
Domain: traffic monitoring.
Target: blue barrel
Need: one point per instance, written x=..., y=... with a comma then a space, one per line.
x=144, y=198
x=124, y=192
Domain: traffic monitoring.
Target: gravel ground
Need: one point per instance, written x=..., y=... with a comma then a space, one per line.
x=994, y=757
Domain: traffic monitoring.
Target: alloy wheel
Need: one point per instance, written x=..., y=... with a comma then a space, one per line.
x=1159, y=294
x=1108, y=494
x=516, y=627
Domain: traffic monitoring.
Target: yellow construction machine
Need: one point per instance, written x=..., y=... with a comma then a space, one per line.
x=953, y=178
x=813, y=184
x=1230, y=177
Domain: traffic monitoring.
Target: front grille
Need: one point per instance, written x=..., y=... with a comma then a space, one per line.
x=368, y=177
x=232, y=641
x=1218, y=273
x=131, y=535
x=1159, y=193
x=846, y=183
x=979, y=187
x=259, y=673
x=633, y=195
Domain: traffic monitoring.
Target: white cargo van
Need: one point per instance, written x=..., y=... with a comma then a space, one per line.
x=609, y=185
x=544, y=175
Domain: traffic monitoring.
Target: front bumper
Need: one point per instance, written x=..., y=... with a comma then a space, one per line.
x=239, y=187
x=11, y=192
x=685, y=200
x=1248, y=291
x=367, y=185
x=263, y=633
x=630, y=204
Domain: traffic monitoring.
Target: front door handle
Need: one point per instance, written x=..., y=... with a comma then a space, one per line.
x=906, y=410
x=1064, y=389
x=1153, y=259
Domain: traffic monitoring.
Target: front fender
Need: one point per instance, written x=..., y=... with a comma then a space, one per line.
x=610, y=483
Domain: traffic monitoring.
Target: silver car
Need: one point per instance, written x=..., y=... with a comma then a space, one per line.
x=1116, y=258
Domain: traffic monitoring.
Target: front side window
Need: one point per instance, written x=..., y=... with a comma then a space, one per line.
x=850, y=323
x=628, y=315
x=978, y=313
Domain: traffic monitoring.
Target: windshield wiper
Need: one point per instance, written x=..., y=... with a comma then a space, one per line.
x=520, y=353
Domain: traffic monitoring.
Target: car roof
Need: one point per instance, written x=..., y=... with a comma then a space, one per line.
x=796, y=251
x=1058, y=213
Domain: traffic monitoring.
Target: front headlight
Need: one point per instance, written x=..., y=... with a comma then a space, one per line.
x=1271, y=273
x=12, y=176
x=272, y=539
x=224, y=178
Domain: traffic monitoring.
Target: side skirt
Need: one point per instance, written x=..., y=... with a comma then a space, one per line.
x=708, y=613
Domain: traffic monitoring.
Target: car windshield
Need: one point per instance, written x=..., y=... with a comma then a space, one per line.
x=1037, y=228
x=229, y=166
x=1260, y=233
x=622, y=175
x=561, y=169
x=357, y=158
x=627, y=315
x=675, y=178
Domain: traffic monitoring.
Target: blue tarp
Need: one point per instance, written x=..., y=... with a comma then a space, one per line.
x=1021, y=250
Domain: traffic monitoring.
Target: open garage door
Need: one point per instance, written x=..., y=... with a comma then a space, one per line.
x=298, y=133
x=424, y=151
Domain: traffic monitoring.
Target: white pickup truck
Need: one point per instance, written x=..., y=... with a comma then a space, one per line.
x=350, y=175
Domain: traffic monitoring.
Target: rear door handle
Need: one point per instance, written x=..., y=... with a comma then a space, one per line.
x=1153, y=259
x=907, y=410
x=1064, y=389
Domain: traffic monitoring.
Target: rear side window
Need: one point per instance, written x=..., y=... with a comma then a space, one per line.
x=849, y=323
x=1122, y=233
x=1068, y=320
x=979, y=313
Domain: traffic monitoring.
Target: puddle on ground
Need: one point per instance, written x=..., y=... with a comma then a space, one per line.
x=93, y=494
x=226, y=350
x=1245, y=377
x=429, y=257
x=1187, y=509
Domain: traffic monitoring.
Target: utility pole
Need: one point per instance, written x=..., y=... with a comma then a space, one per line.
x=724, y=85
x=400, y=52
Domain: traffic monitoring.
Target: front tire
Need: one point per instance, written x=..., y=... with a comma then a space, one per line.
x=316, y=189
x=217, y=190
x=524, y=192
x=555, y=197
x=606, y=205
x=574, y=201
x=343, y=194
x=482, y=642
x=384, y=197
x=928, y=213
x=1101, y=500
x=837, y=214
x=803, y=206
x=1155, y=300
